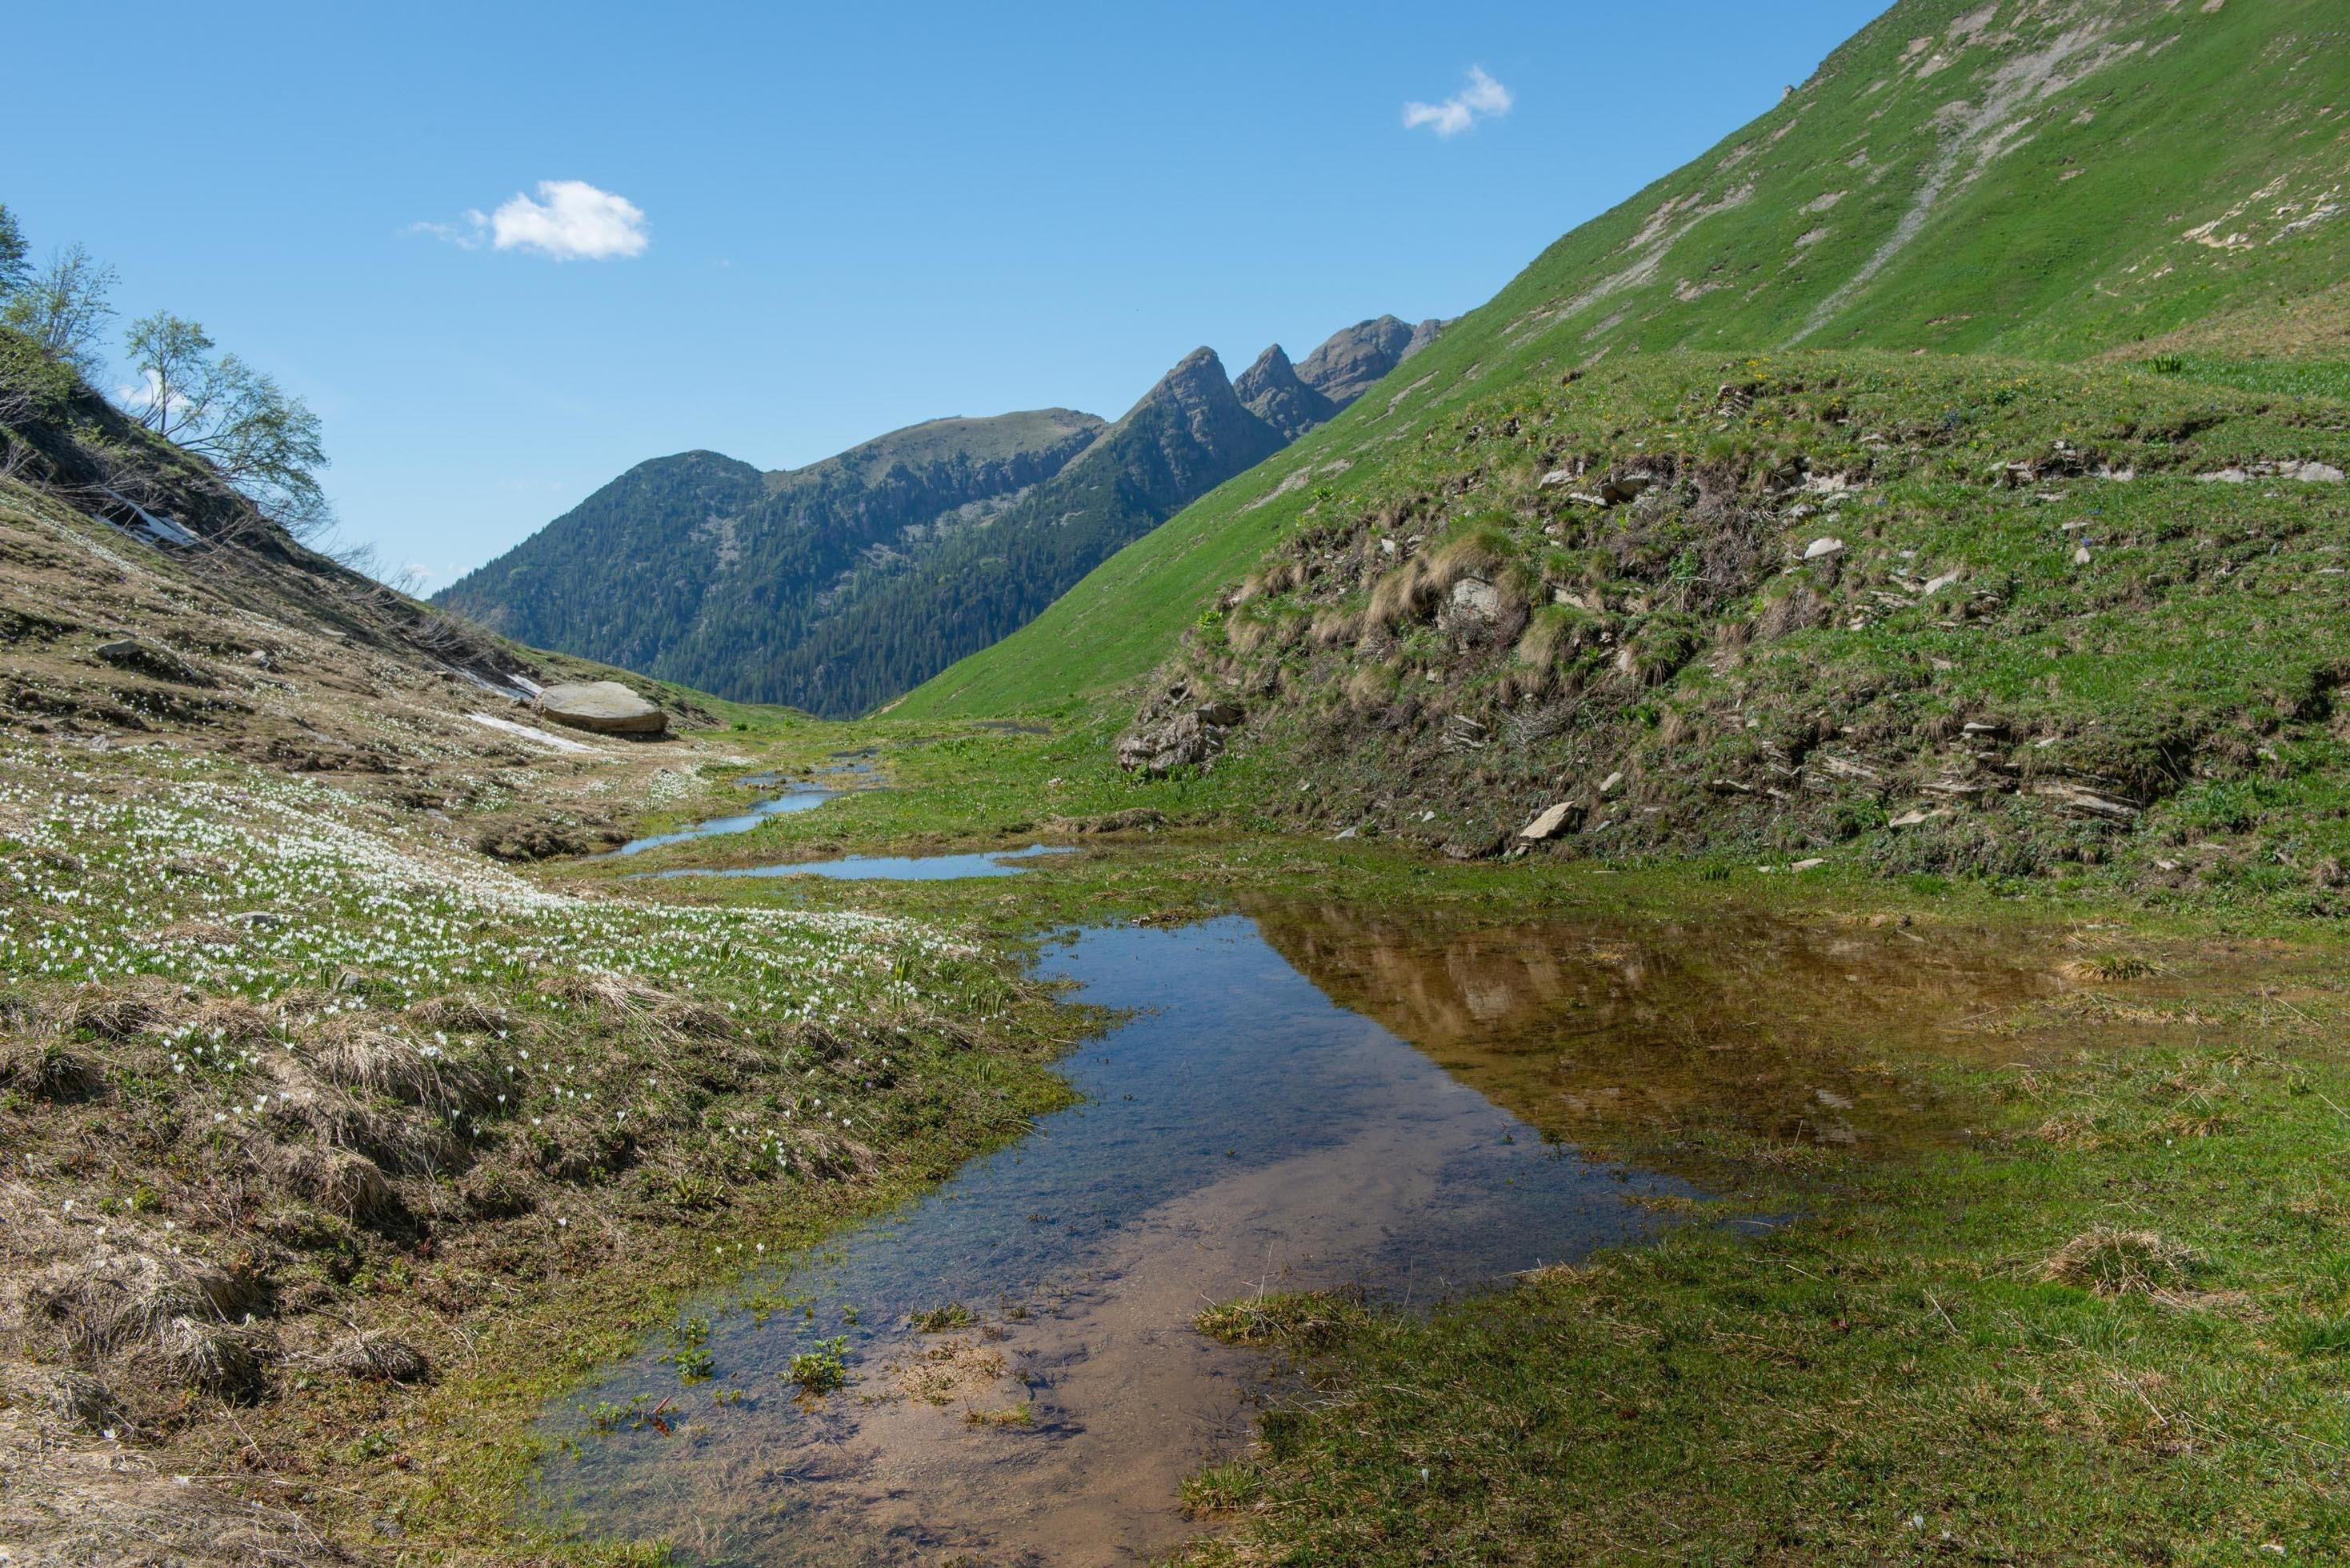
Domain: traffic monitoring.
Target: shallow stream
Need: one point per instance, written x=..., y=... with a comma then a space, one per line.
x=1242, y=1131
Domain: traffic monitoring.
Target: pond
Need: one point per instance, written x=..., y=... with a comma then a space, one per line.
x=1309, y=1098
x=1240, y=1133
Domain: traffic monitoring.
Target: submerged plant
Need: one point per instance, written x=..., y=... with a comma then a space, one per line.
x=821, y=1369
x=942, y=1319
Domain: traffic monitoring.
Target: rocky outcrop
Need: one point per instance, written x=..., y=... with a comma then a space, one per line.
x=1343, y=367
x=606, y=707
x=1271, y=390
x=1179, y=730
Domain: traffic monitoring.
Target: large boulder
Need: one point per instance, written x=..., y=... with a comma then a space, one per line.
x=606, y=707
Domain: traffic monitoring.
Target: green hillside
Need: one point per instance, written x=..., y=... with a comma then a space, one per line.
x=2038, y=181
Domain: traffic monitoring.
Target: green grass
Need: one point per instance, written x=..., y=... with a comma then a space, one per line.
x=2105, y=1328
x=2284, y=378
x=600, y=1167
x=2187, y=665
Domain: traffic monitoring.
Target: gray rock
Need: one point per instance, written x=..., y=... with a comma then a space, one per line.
x=606, y=707
x=1619, y=488
x=1345, y=365
x=1188, y=739
x=1477, y=598
x=145, y=658
x=1271, y=390
x=2314, y=473
x=1557, y=819
x=1820, y=549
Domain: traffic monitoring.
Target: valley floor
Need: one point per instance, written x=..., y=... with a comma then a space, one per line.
x=2090, y=1309
x=345, y=1137
x=307, y=1061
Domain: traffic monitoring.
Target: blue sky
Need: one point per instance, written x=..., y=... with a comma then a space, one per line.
x=847, y=218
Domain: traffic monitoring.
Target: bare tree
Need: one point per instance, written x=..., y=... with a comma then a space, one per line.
x=262, y=438
x=63, y=307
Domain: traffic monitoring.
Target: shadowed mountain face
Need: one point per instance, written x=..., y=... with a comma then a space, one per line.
x=837, y=587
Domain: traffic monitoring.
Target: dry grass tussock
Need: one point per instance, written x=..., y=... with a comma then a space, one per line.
x=368, y=1060
x=381, y=1358
x=75, y=1502
x=166, y=1320
x=613, y=992
x=2110, y=1262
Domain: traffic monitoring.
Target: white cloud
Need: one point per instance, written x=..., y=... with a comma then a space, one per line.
x=1482, y=98
x=570, y=221
x=465, y=235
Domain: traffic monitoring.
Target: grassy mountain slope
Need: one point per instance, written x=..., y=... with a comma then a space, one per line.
x=2039, y=179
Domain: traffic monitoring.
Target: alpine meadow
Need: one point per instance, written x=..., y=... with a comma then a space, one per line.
x=1693, y=916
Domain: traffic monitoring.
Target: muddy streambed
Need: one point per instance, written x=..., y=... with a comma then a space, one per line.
x=1310, y=1098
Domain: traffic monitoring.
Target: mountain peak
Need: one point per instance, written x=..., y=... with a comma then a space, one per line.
x=1271, y=389
x=1350, y=359
x=1197, y=379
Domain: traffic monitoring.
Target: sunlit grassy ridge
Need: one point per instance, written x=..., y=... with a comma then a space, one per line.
x=2041, y=180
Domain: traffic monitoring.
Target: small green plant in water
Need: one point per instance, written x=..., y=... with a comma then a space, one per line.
x=942, y=1320
x=821, y=1370
x=1303, y=1320
x=1020, y=1415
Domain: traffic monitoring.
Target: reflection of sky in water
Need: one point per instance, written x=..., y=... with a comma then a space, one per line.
x=798, y=797
x=1232, y=1062
x=890, y=868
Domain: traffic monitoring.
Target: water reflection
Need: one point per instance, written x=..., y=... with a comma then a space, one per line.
x=1240, y=1132
x=890, y=867
x=1772, y=1028
x=797, y=797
